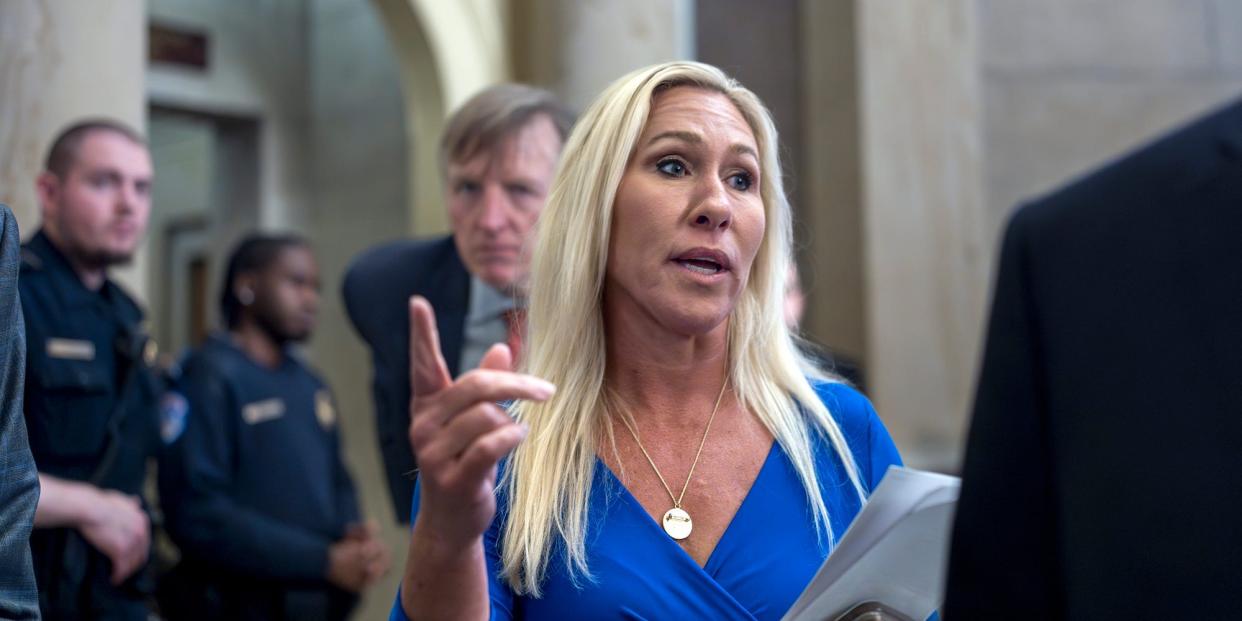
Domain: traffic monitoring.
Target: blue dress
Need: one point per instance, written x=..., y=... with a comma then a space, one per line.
x=764, y=559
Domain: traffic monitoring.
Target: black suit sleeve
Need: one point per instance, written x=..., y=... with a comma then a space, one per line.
x=377, y=310
x=1004, y=558
x=202, y=517
x=19, y=480
x=352, y=292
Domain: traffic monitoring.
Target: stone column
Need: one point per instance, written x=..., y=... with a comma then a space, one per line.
x=575, y=48
x=829, y=211
x=446, y=51
x=924, y=254
x=59, y=62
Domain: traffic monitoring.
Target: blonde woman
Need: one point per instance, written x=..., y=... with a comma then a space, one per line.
x=667, y=452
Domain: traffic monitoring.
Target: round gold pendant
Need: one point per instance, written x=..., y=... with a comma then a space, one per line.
x=677, y=523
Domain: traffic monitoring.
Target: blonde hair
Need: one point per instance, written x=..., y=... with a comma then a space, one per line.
x=547, y=480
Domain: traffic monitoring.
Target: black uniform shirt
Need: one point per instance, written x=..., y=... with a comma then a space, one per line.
x=255, y=484
x=91, y=395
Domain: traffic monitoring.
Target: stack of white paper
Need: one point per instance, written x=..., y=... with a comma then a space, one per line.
x=894, y=553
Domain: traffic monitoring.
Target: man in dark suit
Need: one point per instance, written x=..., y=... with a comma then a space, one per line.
x=19, y=480
x=498, y=154
x=1102, y=468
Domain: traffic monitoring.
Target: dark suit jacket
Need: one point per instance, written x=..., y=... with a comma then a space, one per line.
x=377, y=289
x=19, y=480
x=1103, y=466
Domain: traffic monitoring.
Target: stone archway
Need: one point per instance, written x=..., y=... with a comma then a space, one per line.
x=446, y=51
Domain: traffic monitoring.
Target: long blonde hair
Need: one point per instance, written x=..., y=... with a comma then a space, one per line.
x=547, y=481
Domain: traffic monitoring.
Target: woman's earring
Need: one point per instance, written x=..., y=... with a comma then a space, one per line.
x=245, y=296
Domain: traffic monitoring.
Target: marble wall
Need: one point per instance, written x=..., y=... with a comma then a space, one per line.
x=1069, y=85
x=575, y=48
x=60, y=62
x=923, y=263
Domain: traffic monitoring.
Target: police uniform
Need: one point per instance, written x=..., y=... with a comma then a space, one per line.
x=92, y=416
x=254, y=491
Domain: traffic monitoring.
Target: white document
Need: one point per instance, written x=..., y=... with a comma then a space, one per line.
x=895, y=553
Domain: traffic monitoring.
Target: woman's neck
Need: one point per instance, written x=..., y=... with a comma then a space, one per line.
x=664, y=379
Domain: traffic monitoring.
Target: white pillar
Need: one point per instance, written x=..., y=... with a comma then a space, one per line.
x=59, y=62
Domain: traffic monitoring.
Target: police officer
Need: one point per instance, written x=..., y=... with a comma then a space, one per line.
x=254, y=490
x=91, y=395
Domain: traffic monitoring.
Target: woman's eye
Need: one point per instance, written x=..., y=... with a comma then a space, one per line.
x=671, y=167
x=741, y=181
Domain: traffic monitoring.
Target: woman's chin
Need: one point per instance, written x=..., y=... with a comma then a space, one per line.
x=696, y=321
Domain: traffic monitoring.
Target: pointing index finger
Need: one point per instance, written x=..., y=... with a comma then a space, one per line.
x=428, y=371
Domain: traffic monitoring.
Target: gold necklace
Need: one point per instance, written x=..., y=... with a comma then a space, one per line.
x=677, y=522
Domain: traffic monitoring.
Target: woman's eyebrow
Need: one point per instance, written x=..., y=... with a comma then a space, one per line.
x=744, y=149
x=682, y=135
x=693, y=138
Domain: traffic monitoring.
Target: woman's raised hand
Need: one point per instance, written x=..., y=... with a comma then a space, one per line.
x=458, y=432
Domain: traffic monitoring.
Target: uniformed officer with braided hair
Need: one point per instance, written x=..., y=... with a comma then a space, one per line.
x=91, y=394
x=254, y=490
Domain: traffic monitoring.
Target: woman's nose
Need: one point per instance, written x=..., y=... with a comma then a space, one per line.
x=713, y=211
x=708, y=221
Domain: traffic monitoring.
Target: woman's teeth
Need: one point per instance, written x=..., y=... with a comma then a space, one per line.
x=702, y=267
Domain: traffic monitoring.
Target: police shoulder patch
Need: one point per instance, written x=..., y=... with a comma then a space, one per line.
x=324, y=410
x=174, y=409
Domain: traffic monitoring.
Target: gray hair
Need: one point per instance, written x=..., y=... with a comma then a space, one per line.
x=493, y=114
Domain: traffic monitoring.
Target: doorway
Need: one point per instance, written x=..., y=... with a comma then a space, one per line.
x=205, y=198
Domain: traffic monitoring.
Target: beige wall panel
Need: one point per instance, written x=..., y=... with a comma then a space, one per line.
x=1040, y=134
x=1121, y=35
x=1226, y=36
x=1069, y=85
